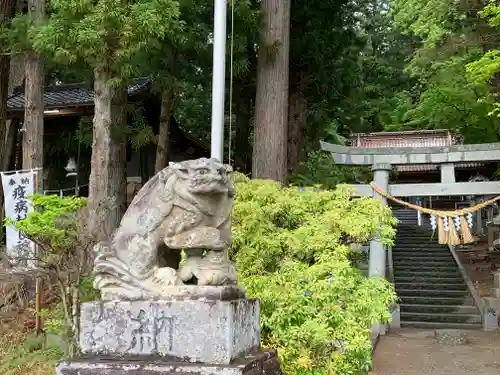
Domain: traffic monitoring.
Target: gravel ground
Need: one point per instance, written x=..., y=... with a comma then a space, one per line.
x=415, y=352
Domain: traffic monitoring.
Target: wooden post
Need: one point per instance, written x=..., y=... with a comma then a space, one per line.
x=33, y=123
x=33, y=112
x=38, y=179
x=38, y=305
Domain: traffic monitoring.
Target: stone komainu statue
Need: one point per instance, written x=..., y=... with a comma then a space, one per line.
x=186, y=206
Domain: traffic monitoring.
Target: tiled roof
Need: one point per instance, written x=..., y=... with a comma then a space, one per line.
x=417, y=138
x=70, y=95
x=414, y=138
x=433, y=167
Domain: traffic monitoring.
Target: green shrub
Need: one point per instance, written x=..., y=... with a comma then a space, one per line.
x=58, y=225
x=291, y=248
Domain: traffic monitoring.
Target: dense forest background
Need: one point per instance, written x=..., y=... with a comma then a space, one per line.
x=313, y=70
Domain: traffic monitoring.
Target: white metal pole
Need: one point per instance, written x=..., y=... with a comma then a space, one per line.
x=218, y=79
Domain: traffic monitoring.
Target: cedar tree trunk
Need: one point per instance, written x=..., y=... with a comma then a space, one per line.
x=296, y=125
x=34, y=105
x=271, y=106
x=162, y=146
x=107, y=184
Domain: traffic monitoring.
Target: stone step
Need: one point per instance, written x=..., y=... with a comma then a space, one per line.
x=426, y=236
x=427, y=272
x=435, y=280
x=420, y=250
x=428, y=263
x=422, y=258
x=402, y=293
x=431, y=286
x=420, y=308
x=419, y=280
x=416, y=244
x=402, y=269
x=404, y=258
x=420, y=255
x=465, y=300
x=440, y=317
x=437, y=325
x=422, y=238
x=415, y=229
x=402, y=263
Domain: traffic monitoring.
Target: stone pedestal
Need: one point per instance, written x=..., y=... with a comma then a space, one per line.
x=262, y=363
x=495, y=291
x=395, y=318
x=171, y=337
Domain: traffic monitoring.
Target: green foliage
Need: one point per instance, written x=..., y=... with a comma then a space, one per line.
x=54, y=319
x=58, y=226
x=139, y=131
x=428, y=19
x=319, y=169
x=451, y=101
x=291, y=251
x=453, y=88
x=109, y=32
x=488, y=65
x=26, y=354
x=45, y=224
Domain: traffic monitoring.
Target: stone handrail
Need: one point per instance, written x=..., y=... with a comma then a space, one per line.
x=477, y=299
x=390, y=267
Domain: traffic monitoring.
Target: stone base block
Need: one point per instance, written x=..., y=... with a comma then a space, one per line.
x=495, y=292
x=395, y=318
x=262, y=363
x=451, y=337
x=490, y=319
x=204, y=331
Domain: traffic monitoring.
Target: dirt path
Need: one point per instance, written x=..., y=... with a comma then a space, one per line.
x=414, y=352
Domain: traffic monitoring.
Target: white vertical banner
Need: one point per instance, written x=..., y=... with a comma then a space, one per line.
x=17, y=188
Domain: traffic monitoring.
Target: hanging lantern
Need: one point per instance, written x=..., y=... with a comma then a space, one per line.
x=70, y=168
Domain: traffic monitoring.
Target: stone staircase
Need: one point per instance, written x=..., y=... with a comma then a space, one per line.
x=428, y=282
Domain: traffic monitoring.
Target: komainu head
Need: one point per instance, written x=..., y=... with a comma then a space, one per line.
x=204, y=176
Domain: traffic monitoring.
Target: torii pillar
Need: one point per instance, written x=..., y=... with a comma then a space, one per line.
x=378, y=253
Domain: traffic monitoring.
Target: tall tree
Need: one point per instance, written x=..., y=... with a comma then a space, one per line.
x=107, y=34
x=34, y=104
x=7, y=9
x=163, y=141
x=271, y=105
x=450, y=36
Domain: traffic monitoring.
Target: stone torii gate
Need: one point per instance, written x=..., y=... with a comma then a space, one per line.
x=382, y=160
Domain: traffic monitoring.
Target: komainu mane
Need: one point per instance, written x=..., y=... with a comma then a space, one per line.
x=185, y=207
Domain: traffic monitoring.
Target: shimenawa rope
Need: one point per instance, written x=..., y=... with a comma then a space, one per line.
x=453, y=227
